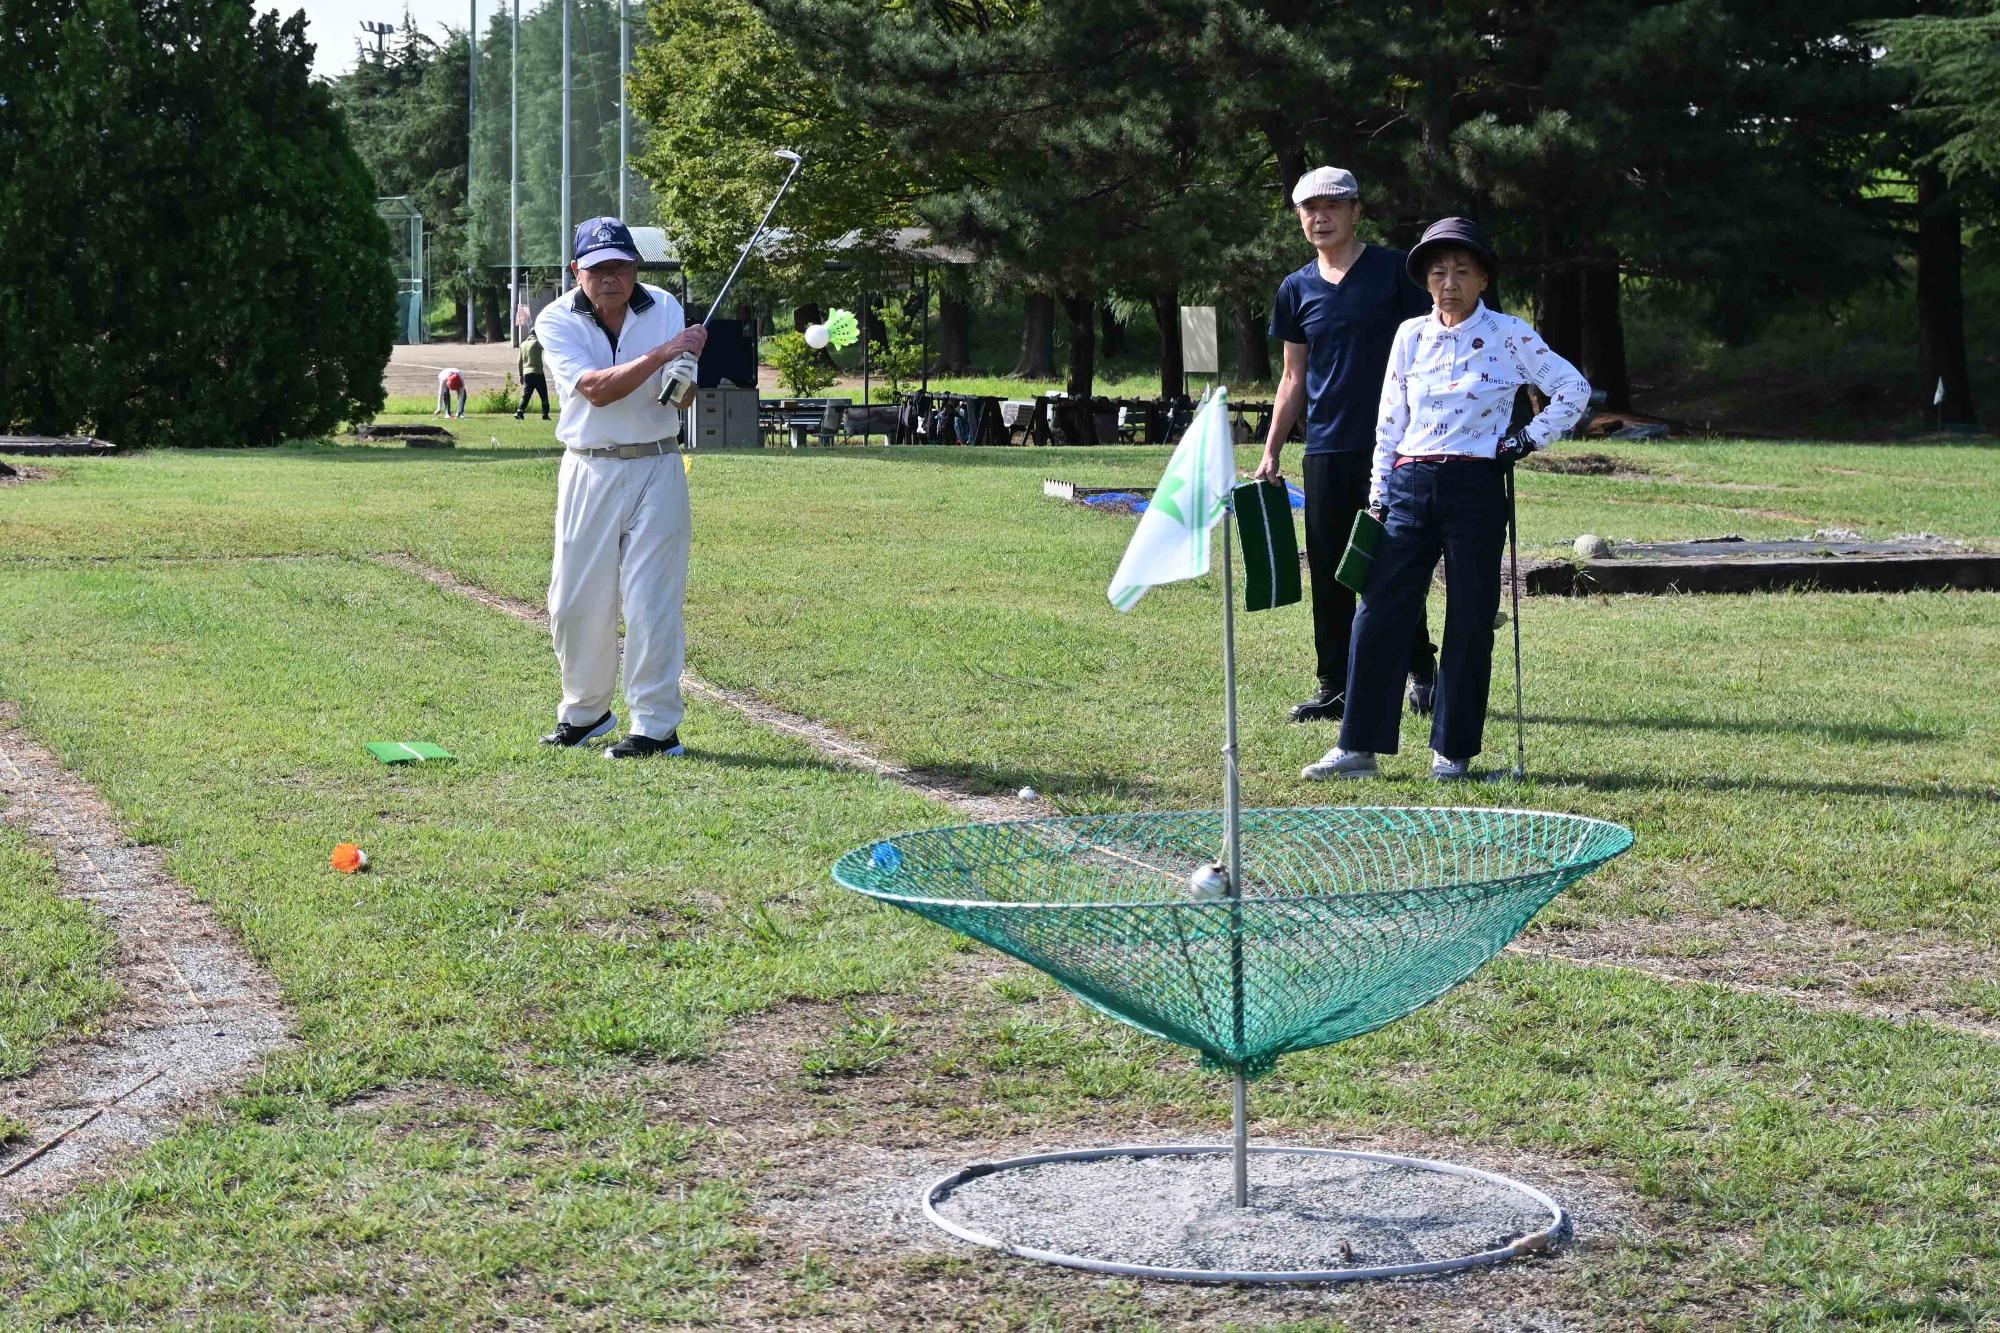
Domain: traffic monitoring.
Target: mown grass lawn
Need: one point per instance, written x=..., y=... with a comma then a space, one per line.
x=477, y=1123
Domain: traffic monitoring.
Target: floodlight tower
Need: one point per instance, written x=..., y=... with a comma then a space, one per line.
x=380, y=32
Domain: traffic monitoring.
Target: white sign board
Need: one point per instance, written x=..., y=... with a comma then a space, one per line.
x=1198, y=354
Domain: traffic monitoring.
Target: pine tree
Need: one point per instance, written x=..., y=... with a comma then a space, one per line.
x=1949, y=146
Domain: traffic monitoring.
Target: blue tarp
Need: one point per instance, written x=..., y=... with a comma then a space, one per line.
x=1136, y=504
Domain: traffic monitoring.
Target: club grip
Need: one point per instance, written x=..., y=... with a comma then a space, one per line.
x=679, y=377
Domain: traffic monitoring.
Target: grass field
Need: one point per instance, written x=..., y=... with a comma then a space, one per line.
x=495, y=1110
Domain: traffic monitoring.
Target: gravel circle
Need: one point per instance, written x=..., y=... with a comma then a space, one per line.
x=1309, y=1212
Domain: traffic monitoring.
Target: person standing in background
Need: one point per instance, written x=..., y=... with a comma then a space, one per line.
x=1337, y=317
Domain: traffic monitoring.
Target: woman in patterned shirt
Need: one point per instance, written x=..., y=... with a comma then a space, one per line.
x=1442, y=447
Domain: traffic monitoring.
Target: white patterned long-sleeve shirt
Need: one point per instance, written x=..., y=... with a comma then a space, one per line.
x=1451, y=390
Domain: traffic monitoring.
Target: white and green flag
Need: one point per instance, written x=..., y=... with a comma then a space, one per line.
x=1173, y=538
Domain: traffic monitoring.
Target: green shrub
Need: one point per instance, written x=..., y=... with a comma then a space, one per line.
x=189, y=249
x=801, y=368
x=503, y=399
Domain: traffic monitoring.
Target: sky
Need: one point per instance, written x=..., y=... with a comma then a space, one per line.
x=335, y=25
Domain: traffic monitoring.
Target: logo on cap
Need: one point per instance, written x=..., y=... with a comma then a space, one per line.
x=603, y=233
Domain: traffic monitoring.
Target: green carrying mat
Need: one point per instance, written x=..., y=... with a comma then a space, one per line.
x=1362, y=542
x=1350, y=917
x=1270, y=544
x=406, y=752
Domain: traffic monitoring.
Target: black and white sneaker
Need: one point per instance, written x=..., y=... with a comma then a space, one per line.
x=576, y=733
x=1326, y=706
x=636, y=746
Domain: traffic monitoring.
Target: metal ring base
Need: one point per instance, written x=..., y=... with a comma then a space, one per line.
x=1533, y=1243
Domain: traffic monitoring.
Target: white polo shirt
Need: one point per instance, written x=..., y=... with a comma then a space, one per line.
x=574, y=343
x=1451, y=390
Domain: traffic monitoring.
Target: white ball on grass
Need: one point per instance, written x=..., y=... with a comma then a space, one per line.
x=1592, y=547
x=1209, y=882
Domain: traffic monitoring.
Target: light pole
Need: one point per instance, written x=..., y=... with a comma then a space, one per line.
x=471, y=128
x=514, y=181
x=562, y=223
x=624, y=116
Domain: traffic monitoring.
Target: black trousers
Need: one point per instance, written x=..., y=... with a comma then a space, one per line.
x=530, y=386
x=1336, y=487
x=1458, y=508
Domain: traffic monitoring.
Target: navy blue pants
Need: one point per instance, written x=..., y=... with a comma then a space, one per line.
x=1459, y=508
x=1336, y=487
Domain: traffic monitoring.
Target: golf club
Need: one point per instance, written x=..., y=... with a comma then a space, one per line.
x=1514, y=582
x=680, y=373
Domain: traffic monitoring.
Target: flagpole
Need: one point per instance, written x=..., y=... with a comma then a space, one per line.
x=1232, y=833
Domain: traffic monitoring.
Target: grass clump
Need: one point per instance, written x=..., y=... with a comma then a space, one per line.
x=56, y=956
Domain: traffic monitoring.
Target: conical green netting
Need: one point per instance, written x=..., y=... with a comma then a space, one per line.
x=1350, y=917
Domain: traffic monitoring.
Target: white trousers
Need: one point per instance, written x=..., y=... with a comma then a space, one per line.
x=622, y=532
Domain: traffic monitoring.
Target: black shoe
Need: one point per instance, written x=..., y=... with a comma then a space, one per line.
x=636, y=746
x=520, y=416
x=576, y=733
x=1423, y=682
x=1329, y=705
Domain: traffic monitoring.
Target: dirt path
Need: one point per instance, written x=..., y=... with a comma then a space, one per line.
x=822, y=738
x=196, y=1013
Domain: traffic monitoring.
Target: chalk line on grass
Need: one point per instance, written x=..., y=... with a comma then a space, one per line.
x=1746, y=961
x=196, y=1013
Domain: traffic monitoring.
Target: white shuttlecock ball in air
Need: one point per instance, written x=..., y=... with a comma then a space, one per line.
x=1592, y=547
x=817, y=336
x=1209, y=882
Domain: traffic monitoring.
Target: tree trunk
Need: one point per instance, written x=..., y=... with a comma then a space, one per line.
x=1081, y=312
x=1941, y=304
x=954, y=336
x=1559, y=310
x=1173, y=359
x=1603, y=336
x=492, y=326
x=1038, y=339
x=1253, y=349
x=804, y=315
x=1111, y=338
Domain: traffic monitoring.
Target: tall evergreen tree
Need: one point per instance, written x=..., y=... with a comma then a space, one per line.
x=1948, y=142
x=189, y=242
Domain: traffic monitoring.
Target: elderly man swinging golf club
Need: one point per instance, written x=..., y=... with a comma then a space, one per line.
x=1439, y=484
x=622, y=519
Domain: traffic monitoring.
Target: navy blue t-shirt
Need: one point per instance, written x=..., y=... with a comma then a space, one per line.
x=1347, y=328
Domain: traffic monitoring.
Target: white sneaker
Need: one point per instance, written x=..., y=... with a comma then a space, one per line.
x=1449, y=770
x=1342, y=764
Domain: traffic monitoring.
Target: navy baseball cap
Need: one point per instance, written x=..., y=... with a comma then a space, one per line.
x=600, y=240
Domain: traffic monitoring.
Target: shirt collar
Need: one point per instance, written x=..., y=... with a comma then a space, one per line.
x=1476, y=322
x=642, y=300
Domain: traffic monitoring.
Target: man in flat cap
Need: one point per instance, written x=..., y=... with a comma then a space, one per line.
x=1337, y=317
